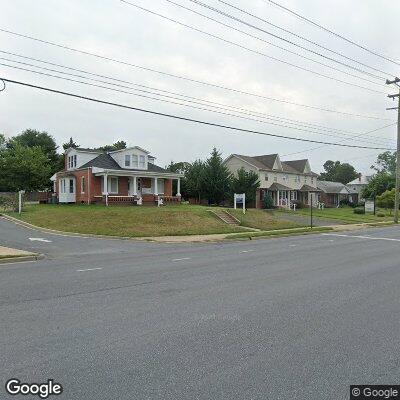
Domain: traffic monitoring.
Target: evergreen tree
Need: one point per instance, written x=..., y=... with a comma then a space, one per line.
x=245, y=182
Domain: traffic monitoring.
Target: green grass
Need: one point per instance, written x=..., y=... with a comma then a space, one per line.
x=125, y=220
x=143, y=221
x=261, y=219
x=345, y=215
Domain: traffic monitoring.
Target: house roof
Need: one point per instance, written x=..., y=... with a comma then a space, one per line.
x=308, y=188
x=267, y=162
x=331, y=187
x=363, y=180
x=105, y=161
x=278, y=186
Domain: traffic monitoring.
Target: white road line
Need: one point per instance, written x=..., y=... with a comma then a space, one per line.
x=40, y=240
x=88, y=269
x=181, y=259
x=292, y=245
x=362, y=237
x=246, y=251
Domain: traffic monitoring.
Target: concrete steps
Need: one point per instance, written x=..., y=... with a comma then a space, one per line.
x=226, y=217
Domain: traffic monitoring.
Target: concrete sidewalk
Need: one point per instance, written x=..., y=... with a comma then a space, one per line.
x=8, y=254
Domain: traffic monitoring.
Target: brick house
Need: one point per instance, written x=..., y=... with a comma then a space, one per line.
x=122, y=176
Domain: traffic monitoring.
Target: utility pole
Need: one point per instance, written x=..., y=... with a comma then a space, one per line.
x=396, y=195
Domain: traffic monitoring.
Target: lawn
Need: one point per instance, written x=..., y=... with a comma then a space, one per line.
x=346, y=215
x=263, y=220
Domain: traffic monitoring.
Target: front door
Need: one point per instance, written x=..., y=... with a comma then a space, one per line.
x=67, y=190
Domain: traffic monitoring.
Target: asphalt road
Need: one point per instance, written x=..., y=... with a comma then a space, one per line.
x=290, y=318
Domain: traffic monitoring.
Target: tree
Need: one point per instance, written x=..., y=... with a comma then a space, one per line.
x=33, y=138
x=245, y=182
x=216, y=179
x=338, y=172
x=386, y=199
x=192, y=183
x=386, y=163
x=378, y=185
x=70, y=144
x=178, y=167
x=24, y=168
x=120, y=145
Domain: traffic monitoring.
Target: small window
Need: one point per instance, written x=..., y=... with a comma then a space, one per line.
x=275, y=178
x=75, y=161
x=127, y=160
x=69, y=162
x=71, y=186
x=113, y=185
x=312, y=180
x=266, y=177
x=83, y=184
x=142, y=161
x=134, y=160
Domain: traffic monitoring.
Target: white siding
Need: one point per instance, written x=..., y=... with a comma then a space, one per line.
x=82, y=157
x=119, y=157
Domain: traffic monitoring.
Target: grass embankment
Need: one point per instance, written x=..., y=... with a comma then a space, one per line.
x=346, y=215
x=263, y=220
x=124, y=220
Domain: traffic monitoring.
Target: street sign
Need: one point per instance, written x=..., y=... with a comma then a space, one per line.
x=369, y=206
x=240, y=198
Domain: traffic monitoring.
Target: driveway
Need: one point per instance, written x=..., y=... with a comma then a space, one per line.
x=286, y=318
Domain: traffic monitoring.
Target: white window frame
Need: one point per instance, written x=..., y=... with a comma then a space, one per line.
x=82, y=184
x=135, y=161
x=275, y=178
x=160, y=186
x=71, y=187
x=142, y=161
x=266, y=177
x=109, y=184
x=75, y=160
x=127, y=161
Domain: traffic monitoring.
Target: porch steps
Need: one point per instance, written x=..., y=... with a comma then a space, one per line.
x=226, y=217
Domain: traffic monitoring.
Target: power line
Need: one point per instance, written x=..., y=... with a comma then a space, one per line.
x=218, y=11
x=247, y=48
x=332, y=32
x=191, y=106
x=302, y=37
x=199, y=101
x=185, y=78
x=177, y=117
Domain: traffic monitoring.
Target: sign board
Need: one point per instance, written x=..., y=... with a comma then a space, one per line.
x=369, y=206
x=241, y=199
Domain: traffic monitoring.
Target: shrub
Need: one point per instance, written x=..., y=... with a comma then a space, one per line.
x=359, y=210
x=268, y=203
x=9, y=203
x=380, y=214
x=298, y=203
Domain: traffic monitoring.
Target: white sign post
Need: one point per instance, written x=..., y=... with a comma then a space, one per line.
x=240, y=198
x=20, y=193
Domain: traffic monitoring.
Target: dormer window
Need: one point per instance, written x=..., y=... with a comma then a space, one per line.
x=142, y=162
x=134, y=161
x=127, y=160
x=72, y=161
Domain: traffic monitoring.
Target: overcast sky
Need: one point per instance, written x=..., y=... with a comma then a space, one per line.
x=117, y=30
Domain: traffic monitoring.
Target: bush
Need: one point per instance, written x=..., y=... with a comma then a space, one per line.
x=359, y=210
x=380, y=214
x=268, y=203
x=298, y=203
x=9, y=203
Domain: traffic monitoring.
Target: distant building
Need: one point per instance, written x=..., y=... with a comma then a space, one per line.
x=355, y=187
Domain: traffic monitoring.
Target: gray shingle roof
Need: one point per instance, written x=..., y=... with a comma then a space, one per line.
x=105, y=161
x=268, y=160
x=331, y=187
x=298, y=165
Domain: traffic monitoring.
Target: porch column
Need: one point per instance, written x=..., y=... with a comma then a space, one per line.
x=156, y=186
x=277, y=198
x=105, y=187
x=178, y=187
x=135, y=186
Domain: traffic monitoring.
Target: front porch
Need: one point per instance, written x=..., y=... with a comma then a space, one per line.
x=136, y=190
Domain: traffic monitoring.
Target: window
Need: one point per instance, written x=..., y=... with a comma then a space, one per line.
x=127, y=160
x=71, y=186
x=83, y=184
x=160, y=186
x=285, y=177
x=266, y=177
x=62, y=189
x=275, y=178
x=75, y=161
x=134, y=160
x=298, y=178
x=113, y=185
x=69, y=162
x=312, y=179
x=142, y=162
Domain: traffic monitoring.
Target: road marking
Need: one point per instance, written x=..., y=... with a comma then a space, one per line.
x=40, y=240
x=292, y=245
x=246, y=251
x=88, y=269
x=181, y=259
x=362, y=237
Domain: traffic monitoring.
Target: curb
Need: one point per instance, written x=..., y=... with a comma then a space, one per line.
x=18, y=259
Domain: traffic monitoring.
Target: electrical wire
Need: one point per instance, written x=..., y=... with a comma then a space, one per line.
x=185, y=78
x=180, y=118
